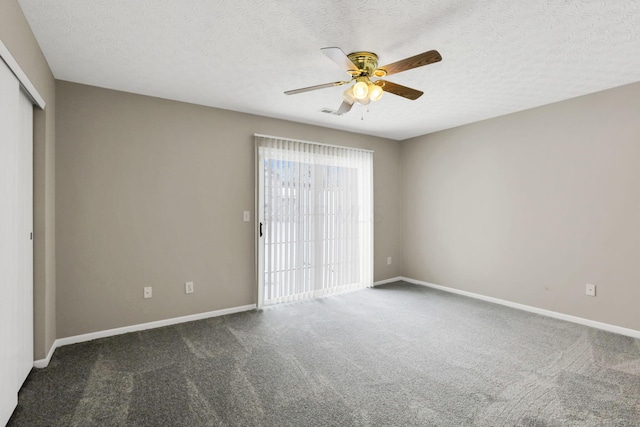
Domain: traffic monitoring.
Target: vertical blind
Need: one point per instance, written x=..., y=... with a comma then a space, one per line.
x=316, y=207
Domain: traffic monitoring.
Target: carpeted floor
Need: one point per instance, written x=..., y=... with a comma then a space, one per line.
x=395, y=355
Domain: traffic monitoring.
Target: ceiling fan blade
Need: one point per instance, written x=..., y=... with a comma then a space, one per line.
x=420, y=60
x=339, y=57
x=316, y=87
x=396, y=89
x=345, y=107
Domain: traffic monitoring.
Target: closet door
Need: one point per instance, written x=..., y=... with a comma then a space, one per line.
x=16, y=248
x=24, y=242
x=9, y=164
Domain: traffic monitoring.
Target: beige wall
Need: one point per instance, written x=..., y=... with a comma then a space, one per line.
x=531, y=206
x=151, y=192
x=528, y=207
x=16, y=34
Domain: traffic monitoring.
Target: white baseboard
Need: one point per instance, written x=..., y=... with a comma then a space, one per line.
x=385, y=281
x=43, y=363
x=556, y=315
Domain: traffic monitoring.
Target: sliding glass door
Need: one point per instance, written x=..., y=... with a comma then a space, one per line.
x=315, y=209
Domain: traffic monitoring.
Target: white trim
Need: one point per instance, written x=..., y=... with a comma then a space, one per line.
x=29, y=88
x=390, y=280
x=258, y=218
x=567, y=317
x=43, y=363
x=312, y=142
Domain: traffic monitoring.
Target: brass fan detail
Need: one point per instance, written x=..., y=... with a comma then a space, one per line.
x=362, y=66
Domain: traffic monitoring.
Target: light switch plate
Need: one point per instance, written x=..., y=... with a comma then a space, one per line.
x=246, y=216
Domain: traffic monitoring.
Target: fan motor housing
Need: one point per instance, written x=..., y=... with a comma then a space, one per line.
x=365, y=61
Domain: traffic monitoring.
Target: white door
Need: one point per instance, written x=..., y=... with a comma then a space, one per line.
x=9, y=89
x=25, y=240
x=16, y=250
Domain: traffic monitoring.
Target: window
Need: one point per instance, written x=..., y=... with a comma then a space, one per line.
x=315, y=208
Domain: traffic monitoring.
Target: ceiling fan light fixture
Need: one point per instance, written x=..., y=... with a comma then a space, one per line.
x=360, y=90
x=362, y=67
x=375, y=92
x=348, y=96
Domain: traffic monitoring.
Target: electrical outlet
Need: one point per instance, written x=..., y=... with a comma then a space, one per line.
x=246, y=216
x=147, y=292
x=188, y=288
x=591, y=290
x=389, y=260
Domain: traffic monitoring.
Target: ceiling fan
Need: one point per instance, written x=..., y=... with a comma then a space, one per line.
x=362, y=66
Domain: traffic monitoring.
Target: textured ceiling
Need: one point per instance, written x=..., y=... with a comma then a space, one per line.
x=499, y=56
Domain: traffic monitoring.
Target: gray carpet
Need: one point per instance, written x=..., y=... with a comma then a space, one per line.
x=396, y=355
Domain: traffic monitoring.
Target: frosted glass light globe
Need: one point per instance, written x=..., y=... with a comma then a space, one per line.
x=375, y=92
x=360, y=90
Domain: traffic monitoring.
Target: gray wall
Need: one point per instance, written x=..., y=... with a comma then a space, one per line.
x=151, y=192
x=528, y=207
x=16, y=34
x=531, y=206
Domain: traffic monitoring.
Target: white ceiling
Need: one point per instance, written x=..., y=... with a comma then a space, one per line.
x=499, y=56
